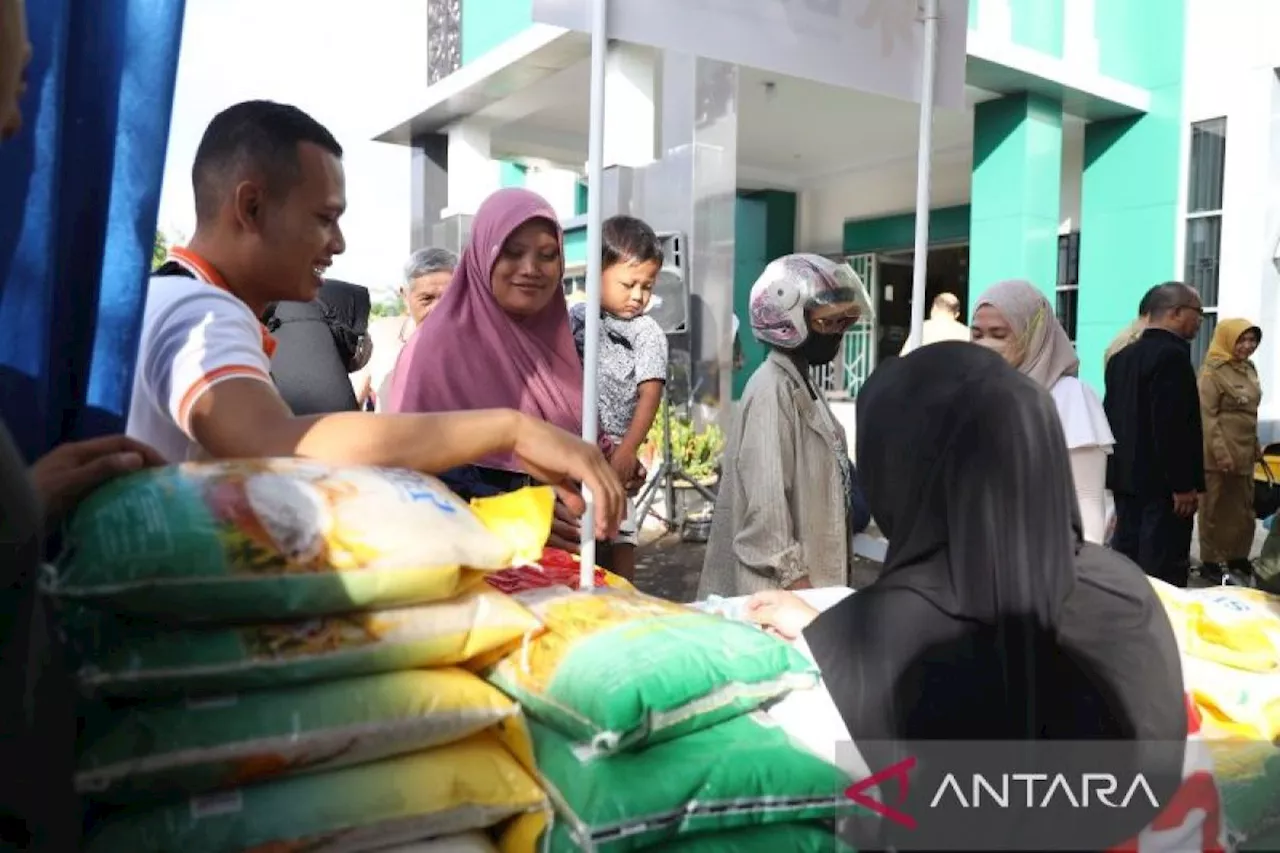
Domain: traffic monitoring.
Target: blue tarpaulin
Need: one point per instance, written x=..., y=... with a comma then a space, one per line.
x=79, y=195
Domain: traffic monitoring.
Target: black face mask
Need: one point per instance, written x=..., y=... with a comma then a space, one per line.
x=819, y=349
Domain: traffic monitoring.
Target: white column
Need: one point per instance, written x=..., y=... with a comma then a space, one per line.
x=473, y=174
x=630, y=110
x=558, y=186
x=1080, y=46
x=995, y=19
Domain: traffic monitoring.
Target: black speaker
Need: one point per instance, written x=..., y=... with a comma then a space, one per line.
x=669, y=306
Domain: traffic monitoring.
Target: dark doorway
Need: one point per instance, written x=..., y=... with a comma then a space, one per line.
x=948, y=273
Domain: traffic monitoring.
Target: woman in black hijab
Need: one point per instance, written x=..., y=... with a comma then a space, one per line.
x=992, y=620
x=319, y=344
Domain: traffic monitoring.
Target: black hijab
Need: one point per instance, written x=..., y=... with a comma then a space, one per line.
x=991, y=620
x=318, y=346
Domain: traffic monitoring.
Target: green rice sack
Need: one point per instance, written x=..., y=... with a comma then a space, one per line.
x=775, y=838
x=746, y=772
x=130, y=660
x=468, y=785
x=153, y=751
x=269, y=539
x=1248, y=777
x=616, y=668
x=471, y=842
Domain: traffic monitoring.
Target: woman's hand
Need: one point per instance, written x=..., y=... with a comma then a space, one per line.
x=562, y=460
x=67, y=473
x=780, y=612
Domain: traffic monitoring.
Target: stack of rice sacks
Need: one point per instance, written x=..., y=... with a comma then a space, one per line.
x=273, y=656
x=647, y=731
x=1230, y=643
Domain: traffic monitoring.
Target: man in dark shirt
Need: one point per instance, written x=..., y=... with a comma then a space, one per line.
x=1157, y=469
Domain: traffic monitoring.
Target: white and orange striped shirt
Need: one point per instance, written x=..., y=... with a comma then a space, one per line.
x=195, y=334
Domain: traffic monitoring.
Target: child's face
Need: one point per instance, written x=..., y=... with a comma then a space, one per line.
x=626, y=287
x=15, y=53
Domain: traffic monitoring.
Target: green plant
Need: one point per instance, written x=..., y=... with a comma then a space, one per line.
x=697, y=452
x=390, y=307
x=159, y=250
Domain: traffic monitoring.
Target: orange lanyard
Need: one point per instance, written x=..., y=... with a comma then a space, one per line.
x=204, y=271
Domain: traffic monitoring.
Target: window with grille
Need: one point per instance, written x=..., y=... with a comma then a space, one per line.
x=1069, y=282
x=1206, y=166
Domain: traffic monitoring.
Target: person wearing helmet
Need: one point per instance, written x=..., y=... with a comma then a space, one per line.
x=789, y=502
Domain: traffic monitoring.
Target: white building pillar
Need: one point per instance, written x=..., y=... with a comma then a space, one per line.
x=630, y=113
x=1080, y=41
x=473, y=174
x=995, y=19
x=558, y=186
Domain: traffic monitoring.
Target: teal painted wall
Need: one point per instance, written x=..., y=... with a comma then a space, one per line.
x=764, y=225
x=896, y=233
x=512, y=174
x=580, y=199
x=1132, y=174
x=1016, y=192
x=575, y=246
x=1039, y=24
x=488, y=23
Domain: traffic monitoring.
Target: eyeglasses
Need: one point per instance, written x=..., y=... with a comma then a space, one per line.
x=837, y=324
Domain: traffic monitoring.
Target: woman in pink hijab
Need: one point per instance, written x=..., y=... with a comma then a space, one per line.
x=500, y=335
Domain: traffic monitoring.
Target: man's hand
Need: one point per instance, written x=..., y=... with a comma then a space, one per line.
x=639, y=477
x=562, y=460
x=624, y=462
x=1185, y=503
x=566, y=530
x=67, y=473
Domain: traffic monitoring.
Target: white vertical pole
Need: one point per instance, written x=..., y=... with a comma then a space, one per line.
x=591, y=344
x=924, y=164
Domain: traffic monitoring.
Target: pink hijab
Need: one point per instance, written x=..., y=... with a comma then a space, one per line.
x=470, y=354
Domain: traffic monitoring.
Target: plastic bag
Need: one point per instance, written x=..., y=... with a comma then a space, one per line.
x=269, y=539
x=553, y=568
x=119, y=659
x=1248, y=777
x=150, y=751
x=468, y=785
x=1233, y=626
x=791, y=837
x=471, y=842
x=615, y=669
x=742, y=773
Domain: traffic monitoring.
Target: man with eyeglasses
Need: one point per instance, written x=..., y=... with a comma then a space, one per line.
x=1156, y=471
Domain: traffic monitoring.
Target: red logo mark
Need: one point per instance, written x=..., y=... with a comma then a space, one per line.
x=897, y=771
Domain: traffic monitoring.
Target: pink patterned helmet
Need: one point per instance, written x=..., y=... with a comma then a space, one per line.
x=791, y=286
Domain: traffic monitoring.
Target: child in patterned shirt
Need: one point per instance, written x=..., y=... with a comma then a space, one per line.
x=633, y=358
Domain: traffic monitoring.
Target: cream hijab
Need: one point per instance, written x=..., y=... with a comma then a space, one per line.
x=1040, y=347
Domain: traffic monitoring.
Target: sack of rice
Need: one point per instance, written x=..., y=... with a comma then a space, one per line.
x=469, y=785
x=1234, y=702
x=1233, y=626
x=148, y=752
x=471, y=842
x=130, y=659
x=791, y=837
x=1248, y=777
x=615, y=668
x=269, y=539
x=742, y=773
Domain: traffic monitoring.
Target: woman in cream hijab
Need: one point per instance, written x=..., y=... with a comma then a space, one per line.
x=1016, y=320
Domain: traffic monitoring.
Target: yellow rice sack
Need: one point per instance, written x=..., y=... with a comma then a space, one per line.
x=116, y=658
x=268, y=539
x=1234, y=702
x=153, y=751
x=469, y=785
x=1233, y=626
